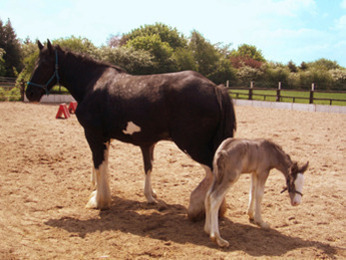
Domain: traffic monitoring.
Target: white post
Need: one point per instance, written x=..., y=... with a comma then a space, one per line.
x=251, y=84
x=279, y=85
x=227, y=83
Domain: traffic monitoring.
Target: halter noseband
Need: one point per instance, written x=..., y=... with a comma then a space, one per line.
x=294, y=190
x=55, y=74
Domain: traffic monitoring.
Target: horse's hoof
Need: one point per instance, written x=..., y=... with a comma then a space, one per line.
x=261, y=224
x=93, y=204
x=219, y=240
x=222, y=243
x=265, y=225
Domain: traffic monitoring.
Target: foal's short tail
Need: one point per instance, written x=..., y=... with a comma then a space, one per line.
x=227, y=124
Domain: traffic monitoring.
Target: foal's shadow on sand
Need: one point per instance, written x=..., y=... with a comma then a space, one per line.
x=170, y=223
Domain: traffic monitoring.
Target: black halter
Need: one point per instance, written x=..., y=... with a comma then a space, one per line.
x=55, y=75
x=292, y=190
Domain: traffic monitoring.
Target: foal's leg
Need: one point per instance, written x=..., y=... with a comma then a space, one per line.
x=101, y=197
x=213, y=201
x=261, y=180
x=251, y=207
x=148, y=157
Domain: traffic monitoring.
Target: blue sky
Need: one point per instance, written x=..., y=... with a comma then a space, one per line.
x=284, y=30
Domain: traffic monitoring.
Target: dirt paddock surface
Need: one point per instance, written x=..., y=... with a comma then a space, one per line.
x=45, y=169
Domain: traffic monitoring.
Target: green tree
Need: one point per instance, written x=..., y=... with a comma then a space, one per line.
x=2, y=63
x=324, y=64
x=292, y=67
x=11, y=45
x=166, y=34
x=249, y=51
x=138, y=62
x=161, y=51
x=79, y=45
x=184, y=59
x=205, y=54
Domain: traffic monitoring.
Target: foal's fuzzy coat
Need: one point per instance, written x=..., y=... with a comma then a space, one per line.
x=259, y=156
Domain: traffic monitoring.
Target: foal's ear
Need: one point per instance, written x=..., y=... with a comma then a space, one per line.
x=49, y=45
x=294, y=167
x=303, y=168
x=40, y=45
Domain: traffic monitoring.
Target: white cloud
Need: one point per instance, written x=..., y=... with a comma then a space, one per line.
x=341, y=23
x=343, y=4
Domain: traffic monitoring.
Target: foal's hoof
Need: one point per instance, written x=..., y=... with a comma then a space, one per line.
x=219, y=241
x=261, y=224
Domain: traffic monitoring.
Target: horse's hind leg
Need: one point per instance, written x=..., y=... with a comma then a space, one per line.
x=196, y=210
x=148, y=157
x=101, y=197
x=213, y=201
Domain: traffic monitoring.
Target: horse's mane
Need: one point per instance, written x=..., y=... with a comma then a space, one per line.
x=279, y=150
x=87, y=59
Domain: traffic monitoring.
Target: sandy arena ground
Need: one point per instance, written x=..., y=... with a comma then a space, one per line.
x=45, y=167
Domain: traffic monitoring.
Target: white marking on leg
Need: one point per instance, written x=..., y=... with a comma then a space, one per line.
x=207, y=213
x=131, y=128
x=215, y=203
x=252, y=196
x=298, y=183
x=148, y=191
x=259, y=196
x=101, y=197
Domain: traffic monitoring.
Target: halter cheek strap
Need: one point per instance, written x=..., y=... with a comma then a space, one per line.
x=55, y=75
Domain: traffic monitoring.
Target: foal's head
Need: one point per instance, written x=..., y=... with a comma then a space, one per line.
x=295, y=181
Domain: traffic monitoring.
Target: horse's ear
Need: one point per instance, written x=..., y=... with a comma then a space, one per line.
x=40, y=45
x=294, y=167
x=49, y=45
x=303, y=168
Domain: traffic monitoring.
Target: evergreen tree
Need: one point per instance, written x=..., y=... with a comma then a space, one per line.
x=11, y=45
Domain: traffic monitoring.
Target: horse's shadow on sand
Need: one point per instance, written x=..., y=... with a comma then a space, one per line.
x=169, y=223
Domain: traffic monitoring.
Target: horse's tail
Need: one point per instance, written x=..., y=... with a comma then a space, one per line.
x=227, y=125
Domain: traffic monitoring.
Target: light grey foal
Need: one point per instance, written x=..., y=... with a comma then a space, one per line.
x=258, y=157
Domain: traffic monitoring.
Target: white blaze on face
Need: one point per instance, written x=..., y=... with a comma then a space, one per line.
x=131, y=128
x=299, y=182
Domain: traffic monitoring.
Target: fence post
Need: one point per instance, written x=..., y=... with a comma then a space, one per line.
x=311, y=100
x=278, y=96
x=227, y=84
x=250, y=90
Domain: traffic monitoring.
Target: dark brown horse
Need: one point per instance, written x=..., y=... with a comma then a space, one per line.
x=184, y=107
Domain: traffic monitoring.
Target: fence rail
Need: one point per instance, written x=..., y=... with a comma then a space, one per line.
x=279, y=95
x=7, y=82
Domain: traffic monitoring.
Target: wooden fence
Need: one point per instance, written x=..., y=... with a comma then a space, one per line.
x=250, y=94
x=7, y=82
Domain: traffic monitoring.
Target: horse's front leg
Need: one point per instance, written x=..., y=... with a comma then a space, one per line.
x=148, y=157
x=251, y=207
x=261, y=179
x=101, y=197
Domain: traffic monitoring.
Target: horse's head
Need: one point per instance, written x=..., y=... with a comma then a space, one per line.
x=295, y=181
x=45, y=74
